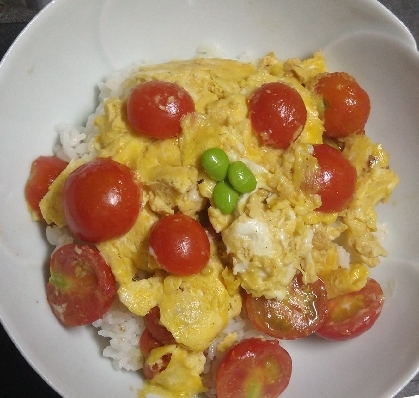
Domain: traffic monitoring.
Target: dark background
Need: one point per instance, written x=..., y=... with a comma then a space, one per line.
x=17, y=378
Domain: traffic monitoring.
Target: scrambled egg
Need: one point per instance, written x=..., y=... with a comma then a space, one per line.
x=274, y=232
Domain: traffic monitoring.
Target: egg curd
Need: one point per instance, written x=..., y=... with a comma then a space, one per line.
x=274, y=232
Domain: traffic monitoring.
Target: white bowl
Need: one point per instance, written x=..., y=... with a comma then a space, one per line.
x=49, y=75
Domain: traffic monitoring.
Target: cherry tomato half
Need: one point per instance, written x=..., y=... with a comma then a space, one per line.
x=180, y=244
x=298, y=315
x=157, y=330
x=347, y=104
x=81, y=287
x=354, y=313
x=254, y=368
x=335, y=181
x=101, y=200
x=277, y=113
x=155, y=108
x=147, y=342
x=44, y=170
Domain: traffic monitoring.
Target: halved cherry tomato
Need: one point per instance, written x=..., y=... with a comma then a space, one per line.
x=300, y=314
x=277, y=113
x=155, y=108
x=335, y=180
x=147, y=342
x=81, y=287
x=101, y=200
x=157, y=330
x=347, y=104
x=254, y=368
x=354, y=313
x=44, y=170
x=180, y=244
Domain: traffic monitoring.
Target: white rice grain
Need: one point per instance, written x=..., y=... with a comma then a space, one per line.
x=123, y=329
x=58, y=236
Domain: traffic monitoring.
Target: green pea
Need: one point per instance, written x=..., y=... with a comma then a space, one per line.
x=241, y=178
x=215, y=162
x=225, y=197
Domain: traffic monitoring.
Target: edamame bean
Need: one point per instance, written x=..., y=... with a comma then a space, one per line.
x=241, y=178
x=225, y=197
x=215, y=162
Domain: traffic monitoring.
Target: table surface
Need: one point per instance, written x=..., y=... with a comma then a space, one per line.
x=18, y=379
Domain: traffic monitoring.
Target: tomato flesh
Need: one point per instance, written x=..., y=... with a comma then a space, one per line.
x=156, y=329
x=335, y=181
x=354, y=313
x=254, y=368
x=156, y=108
x=347, y=104
x=44, y=170
x=81, y=287
x=180, y=244
x=277, y=113
x=300, y=314
x=101, y=200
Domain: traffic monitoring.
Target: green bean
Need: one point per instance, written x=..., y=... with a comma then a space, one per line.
x=241, y=178
x=225, y=197
x=215, y=162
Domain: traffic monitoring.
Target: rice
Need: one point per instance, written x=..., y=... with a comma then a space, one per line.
x=123, y=329
x=76, y=142
x=58, y=236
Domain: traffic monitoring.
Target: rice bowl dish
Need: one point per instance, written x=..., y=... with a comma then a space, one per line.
x=273, y=233
x=59, y=237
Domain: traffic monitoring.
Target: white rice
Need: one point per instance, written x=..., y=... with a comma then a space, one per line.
x=58, y=236
x=123, y=329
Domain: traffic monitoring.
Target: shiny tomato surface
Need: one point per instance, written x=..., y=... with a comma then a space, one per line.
x=277, y=113
x=300, y=314
x=335, y=181
x=156, y=108
x=101, y=200
x=180, y=244
x=346, y=104
x=354, y=313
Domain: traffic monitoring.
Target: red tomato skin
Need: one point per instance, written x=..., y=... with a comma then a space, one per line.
x=151, y=371
x=336, y=181
x=372, y=297
x=156, y=329
x=254, y=368
x=295, y=317
x=156, y=108
x=277, y=113
x=147, y=342
x=44, y=170
x=81, y=287
x=347, y=104
x=180, y=244
x=101, y=200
